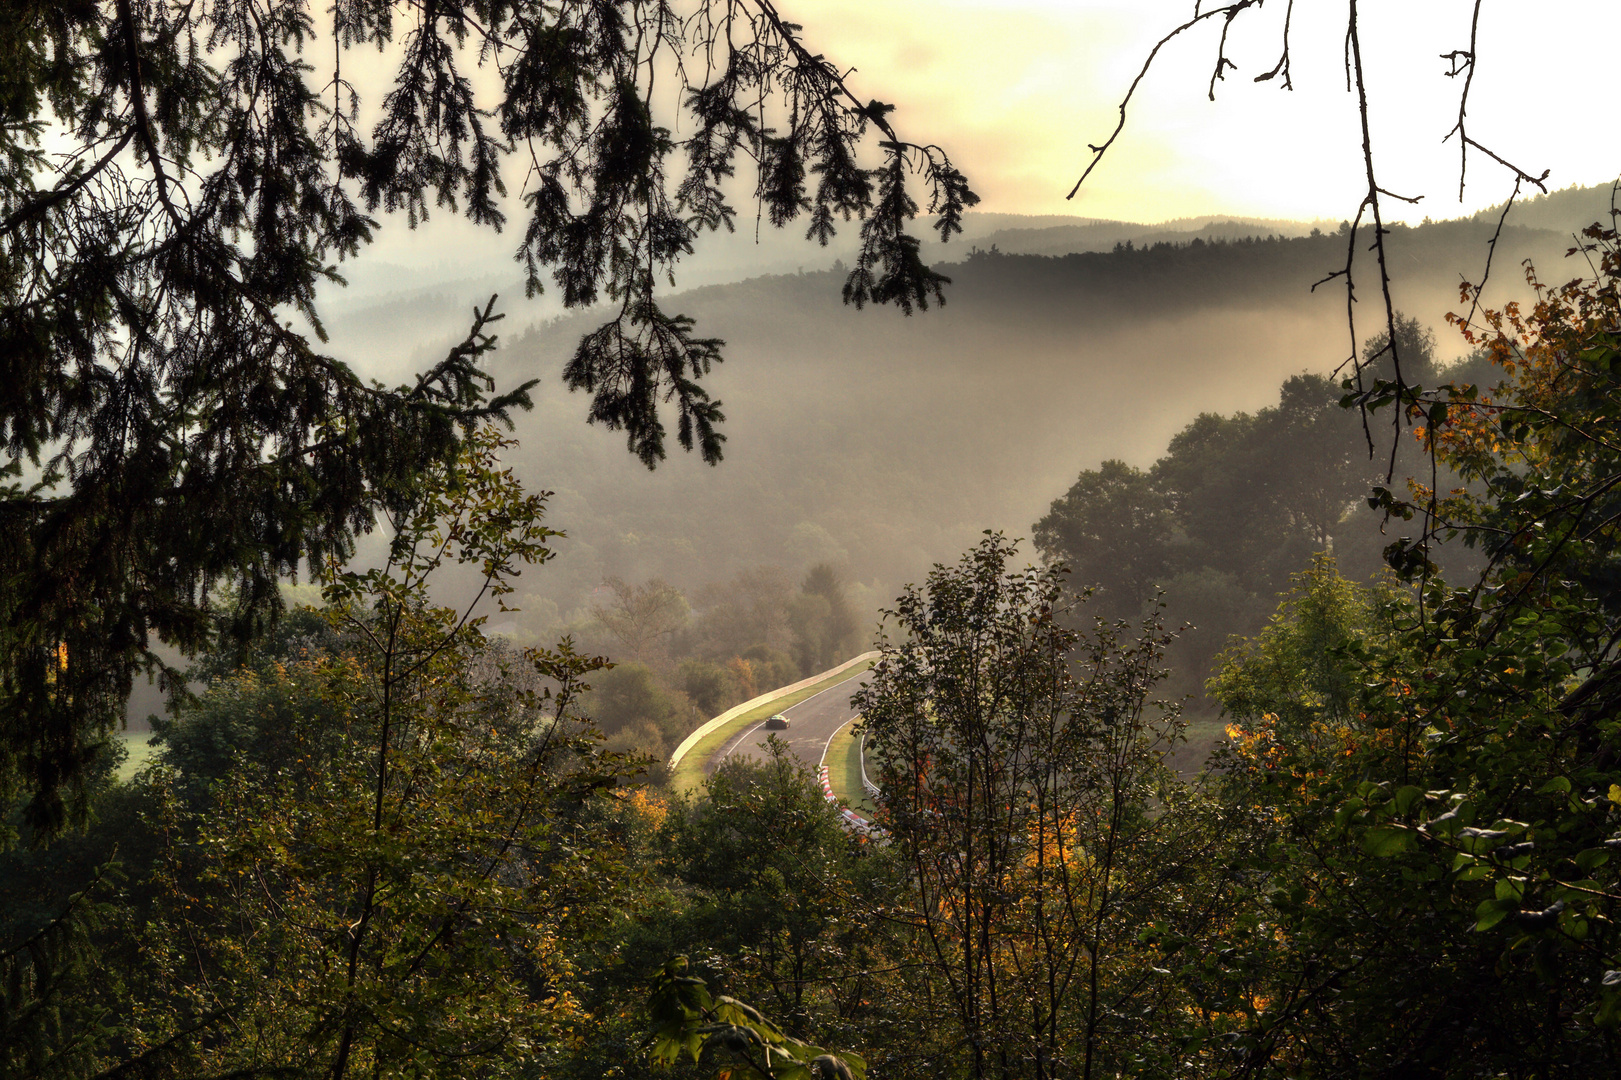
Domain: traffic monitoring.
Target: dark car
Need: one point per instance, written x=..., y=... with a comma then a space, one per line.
x=778, y=722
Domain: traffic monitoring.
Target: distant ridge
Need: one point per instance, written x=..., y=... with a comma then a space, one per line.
x=395, y=319
x=1564, y=212
x=1103, y=236
x=1567, y=210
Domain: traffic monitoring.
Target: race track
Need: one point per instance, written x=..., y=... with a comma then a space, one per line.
x=811, y=724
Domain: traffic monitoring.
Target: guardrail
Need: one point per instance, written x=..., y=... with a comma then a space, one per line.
x=754, y=703
x=861, y=759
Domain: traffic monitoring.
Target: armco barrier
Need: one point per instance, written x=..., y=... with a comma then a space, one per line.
x=754, y=703
x=861, y=758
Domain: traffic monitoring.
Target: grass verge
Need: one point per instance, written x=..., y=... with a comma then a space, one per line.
x=843, y=763
x=689, y=772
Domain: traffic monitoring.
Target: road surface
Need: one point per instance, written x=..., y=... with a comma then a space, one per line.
x=811, y=724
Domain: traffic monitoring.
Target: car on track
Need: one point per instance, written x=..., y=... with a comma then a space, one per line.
x=778, y=722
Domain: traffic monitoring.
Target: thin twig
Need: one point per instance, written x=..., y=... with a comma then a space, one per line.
x=1230, y=11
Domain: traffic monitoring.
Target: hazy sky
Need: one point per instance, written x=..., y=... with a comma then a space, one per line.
x=1015, y=89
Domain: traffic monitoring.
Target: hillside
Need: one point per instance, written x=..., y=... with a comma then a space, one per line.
x=1566, y=211
x=885, y=443
x=391, y=318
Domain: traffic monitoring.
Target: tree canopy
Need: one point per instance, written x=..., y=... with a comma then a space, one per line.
x=176, y=180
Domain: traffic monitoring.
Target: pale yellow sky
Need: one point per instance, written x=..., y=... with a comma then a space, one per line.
x=1015, y=89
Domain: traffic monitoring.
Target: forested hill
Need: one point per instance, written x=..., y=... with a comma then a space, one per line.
x=884, y=443
x=387, y=312
x=1170, y=277
x=1067, y=238
x=1566, y=211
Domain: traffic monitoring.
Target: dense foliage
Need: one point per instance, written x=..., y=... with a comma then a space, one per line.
x=389, y=845
x=1436, y=771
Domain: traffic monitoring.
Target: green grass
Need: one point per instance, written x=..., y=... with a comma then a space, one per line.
x=139, y=745
x=689, y=772
x=843, y=763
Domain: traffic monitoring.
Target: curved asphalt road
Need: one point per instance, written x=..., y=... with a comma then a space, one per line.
x=811, y=724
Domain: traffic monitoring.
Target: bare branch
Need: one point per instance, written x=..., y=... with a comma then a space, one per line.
x=1228, y=12
x=1371, y=202
x=1222, y=63
x=1282, y=66
x=1491, y=250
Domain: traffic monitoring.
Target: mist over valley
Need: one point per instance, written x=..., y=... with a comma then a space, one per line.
x=884, y=443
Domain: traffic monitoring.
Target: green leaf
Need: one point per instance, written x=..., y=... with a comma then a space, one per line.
x=732, y=1011
x=1489, y=913
x=1383, y=841
x=1591, y=859
x=666, y=1050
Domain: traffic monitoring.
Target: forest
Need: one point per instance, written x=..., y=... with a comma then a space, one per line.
x=1236, y=711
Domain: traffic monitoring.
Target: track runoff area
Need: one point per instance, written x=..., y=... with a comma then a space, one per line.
x=812, y=725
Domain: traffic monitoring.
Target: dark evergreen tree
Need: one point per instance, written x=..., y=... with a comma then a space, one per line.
x=176, y=180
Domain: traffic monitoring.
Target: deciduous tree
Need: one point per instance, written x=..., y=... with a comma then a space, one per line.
x=386, y=893
x=643, y=618
x=1025, y=793
x=1113, y=528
